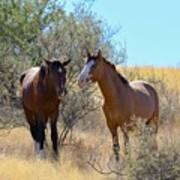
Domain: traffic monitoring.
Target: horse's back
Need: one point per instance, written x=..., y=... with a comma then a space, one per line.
x=27, y=87
x=28, y=76
x=145, y=98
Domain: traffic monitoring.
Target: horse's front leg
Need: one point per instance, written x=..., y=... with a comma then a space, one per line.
x=40, y=135
x=116, y=147
x=113, y=129
x=54, y=131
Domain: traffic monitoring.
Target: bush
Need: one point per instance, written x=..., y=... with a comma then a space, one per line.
x=151, y=164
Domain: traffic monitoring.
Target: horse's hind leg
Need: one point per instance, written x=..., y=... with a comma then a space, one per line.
x=153, y=123
x=54, y=132
x=126, y=140
x=154, y=134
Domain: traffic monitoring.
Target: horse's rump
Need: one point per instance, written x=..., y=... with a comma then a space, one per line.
x=145, y=99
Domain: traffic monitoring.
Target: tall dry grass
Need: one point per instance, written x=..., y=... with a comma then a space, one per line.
x=18, y=160
x=170, y=76
x=91, y=143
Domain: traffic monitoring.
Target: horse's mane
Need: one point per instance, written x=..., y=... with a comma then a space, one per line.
x=42, y=71
x=122, y=78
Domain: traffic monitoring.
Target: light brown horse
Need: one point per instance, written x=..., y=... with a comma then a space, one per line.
x=122, y=99
x=42, y=89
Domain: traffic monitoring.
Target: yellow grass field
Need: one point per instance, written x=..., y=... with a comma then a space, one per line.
x=18, y=161
x=169, y=75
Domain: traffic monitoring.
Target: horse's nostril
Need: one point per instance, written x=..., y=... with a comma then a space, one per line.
x=87, y=79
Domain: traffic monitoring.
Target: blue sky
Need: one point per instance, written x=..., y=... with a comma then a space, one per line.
x=150, y=29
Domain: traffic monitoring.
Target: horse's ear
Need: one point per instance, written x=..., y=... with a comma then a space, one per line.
x=43, y=70
x=47, y=62
x=66, y=62
x=99, y=55
x=88, y=53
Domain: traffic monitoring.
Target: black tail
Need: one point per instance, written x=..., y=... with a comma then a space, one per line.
x=155, y=117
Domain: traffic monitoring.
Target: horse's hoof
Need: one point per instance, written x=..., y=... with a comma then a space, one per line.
x=56, y=157
x=41, y=154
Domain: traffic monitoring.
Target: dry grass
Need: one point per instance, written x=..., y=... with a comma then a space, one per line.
x=18, y=162
x=170, y=76
x=15, y=168
x=17, y=159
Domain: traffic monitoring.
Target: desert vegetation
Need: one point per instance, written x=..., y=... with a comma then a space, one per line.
x=34, y=30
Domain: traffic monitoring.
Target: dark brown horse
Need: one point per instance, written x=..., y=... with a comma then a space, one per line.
x=122, y=99
x=42, y=89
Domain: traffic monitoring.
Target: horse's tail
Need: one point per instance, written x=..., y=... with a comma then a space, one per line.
x=156, y=111
x=155, y=117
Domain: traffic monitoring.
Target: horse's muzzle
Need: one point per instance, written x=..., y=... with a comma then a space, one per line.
x=83, y=81
x=62, y=94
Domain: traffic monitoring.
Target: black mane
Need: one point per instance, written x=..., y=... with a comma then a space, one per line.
x=122, y=78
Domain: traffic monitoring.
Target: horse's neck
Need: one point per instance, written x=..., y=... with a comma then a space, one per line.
x=111, y=86
x=48, y=89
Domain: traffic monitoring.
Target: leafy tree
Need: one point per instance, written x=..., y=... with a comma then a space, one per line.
x=33, y=30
